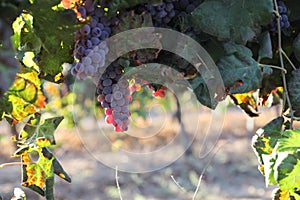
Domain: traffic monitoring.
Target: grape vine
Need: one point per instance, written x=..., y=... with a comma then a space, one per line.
x=255, y=44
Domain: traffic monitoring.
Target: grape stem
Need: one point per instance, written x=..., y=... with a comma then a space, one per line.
x=286, y=96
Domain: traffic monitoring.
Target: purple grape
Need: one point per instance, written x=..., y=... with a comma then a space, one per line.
x=107, y=90
x=95, y=40
x=82, y=11
x=96, y=32
x=107, y=82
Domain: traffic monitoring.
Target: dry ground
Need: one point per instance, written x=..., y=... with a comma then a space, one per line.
x=231, y=171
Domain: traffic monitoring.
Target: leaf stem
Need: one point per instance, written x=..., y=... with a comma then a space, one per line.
x=288, y=59
x=275, y=67
x=282, y=66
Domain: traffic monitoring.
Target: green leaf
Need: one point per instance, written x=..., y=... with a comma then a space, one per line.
x=48, y=127
x=265, y=139
x=288, y=172
x=51, y=33
x=57, y=168
x=9, y=66
x=291, y=141
x=34, y=139
x=49, y=192
x=268, y=169
x=296, y=46
x=294, y=91
x=202, y=93
x=236, y=20
x=240, y=72
x=38, y=175
x=25, y=95
x=44, y=133
x=30, y=128
x=265, y=43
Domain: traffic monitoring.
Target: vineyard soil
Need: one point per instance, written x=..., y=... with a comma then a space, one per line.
x=232, y=173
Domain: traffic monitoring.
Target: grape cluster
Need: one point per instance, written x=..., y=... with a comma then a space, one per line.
x=114, y=95
x=178, y=63
x=284, y=20
x=90, y=48
x=165, y=12
x=162, y=14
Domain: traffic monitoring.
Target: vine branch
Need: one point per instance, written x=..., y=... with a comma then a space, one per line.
x=281, y=53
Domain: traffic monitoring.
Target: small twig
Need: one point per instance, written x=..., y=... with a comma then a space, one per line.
x=14, y=163
x=117, y=182
x=288, y=59
x=203, y=171
x=282, y=66
x=275, y=67
x=176, y=183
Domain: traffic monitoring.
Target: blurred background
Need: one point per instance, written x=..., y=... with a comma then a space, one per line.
x=224, y=157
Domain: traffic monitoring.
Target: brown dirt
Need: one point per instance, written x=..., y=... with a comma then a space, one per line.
x=231, y=172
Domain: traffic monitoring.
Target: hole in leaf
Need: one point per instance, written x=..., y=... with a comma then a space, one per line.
x=34, y=156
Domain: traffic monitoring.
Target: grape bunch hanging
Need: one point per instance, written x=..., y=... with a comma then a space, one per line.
x=91, y=52
x=284, y=20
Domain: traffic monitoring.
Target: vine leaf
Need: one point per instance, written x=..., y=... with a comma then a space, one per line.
x=265, y=43
x=290, y=142
x=35, y=137
x=44, y=132
x=266, y=138
x=36, y=174
x=9, y=66
x=296, y=46
x=240, y=72
x=48, y=127
x=294, y=91
x=278, y=194
x=268, y=168
x=236, y=20
x=30, y=128
x=25, y=95
x=288, y=173
x=50, y=34
x=202, y=92
x=247, y=102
